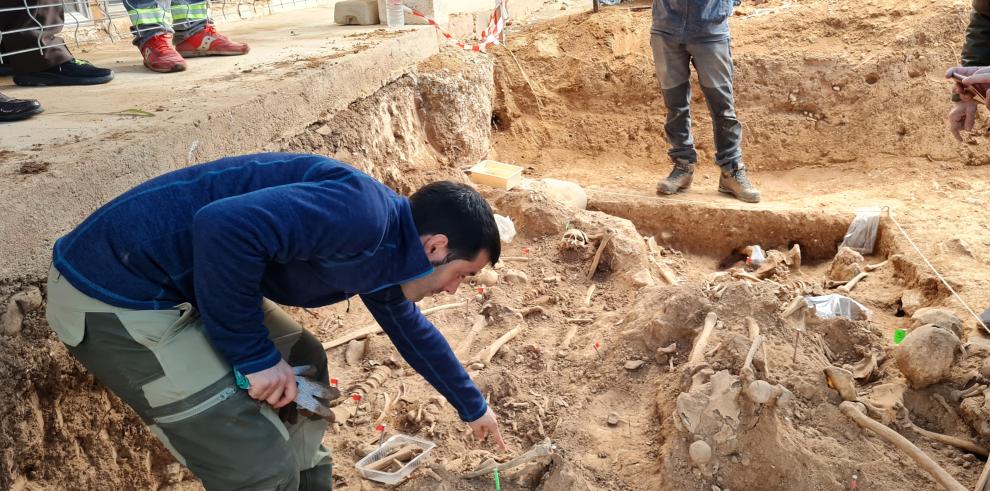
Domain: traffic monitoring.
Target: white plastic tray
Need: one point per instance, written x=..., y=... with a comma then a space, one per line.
x=392, y=443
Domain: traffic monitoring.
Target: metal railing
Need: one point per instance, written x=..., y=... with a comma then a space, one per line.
x=97, y=16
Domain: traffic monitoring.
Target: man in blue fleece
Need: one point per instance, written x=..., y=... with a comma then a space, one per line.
x=166, y=290
x=696, y=32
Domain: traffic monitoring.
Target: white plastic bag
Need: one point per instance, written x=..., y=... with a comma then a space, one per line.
x=829, y=306
x=862, y=233
x=756, y=257
x=506, y=229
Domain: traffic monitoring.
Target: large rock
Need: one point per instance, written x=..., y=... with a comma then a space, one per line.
x=846, y=264
x=625, y=253
x=533, y=211
x=926, y=355
x=940, y=317
x=664, y=315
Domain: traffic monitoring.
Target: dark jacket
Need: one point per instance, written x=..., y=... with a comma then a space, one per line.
x=976, y=50
x=302, y=230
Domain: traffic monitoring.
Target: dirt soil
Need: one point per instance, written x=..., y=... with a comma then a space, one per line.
x=843, y=106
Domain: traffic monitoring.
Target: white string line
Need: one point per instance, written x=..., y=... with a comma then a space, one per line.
x=937, y=274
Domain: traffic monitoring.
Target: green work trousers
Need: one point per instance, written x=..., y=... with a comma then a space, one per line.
x=162, y=365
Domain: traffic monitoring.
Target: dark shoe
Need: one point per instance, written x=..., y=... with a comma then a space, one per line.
x=679, y=179
x=737, y=184
x=17, y=109
x=72, y=72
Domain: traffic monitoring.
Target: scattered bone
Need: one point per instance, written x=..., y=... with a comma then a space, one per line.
x=798, y=303
x=574, y=239
x=874, y=267
x=579, y=320
x=865, y=369
x=18, y=306
x=759, y=391
x=515, y=259
x=613, y=419
x=389, y=402
x=375, y=328
x=356, y=350
x=376, y=378
x=539, y=450
x=698, y=352
x=488, y=353
x=845, y=289
x=486, y=277
x=926, y=355
x=634, y=364
x=587, y=296
x=700, y=453
x=853, y=412
x=664, y=354
x=514, y=277
x=843, y=382
x=904, y=420
x=571, y=332
x=433, y=475
x=958, y=395
x=793, y=257
x=746, y=276
x=462, y=348
x=830, y=284
x=748, y=363
x=405, y=453
x=598, y=256
x=543, y=300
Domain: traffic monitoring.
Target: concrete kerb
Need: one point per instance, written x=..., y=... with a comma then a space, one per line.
x=237, y=116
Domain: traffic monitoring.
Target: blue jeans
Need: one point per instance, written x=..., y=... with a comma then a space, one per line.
x=184, y=18
x=713, y=63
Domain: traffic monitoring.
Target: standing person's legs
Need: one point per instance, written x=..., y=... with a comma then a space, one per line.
x=162, y=365
x=149, y=18
x=47, y=49
x=189, y=17
x=673, y=66
x=713, y=62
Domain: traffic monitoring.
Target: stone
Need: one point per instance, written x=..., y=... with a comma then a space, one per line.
x=759, y=391
x=513, y=277
x=613, y=419
x=19, y=305
x=940, y=317
x=700, y=453
x=846, y=264
x=912, y=301
x=634, y=364
x=926, y=355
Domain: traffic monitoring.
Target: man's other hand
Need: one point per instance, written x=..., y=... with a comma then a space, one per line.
x=486, y=425
x=962, y=116
x=275, y=385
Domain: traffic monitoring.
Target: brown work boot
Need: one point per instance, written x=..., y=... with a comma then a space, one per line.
x=737, y=184
x=679, y=179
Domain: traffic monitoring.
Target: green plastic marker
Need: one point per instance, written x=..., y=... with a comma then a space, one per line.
x=899, y=335
x=498, y=485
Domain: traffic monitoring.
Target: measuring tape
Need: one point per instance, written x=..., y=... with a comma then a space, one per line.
x=489, y=36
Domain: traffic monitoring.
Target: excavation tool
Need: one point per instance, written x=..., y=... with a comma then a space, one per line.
x=311, y=395
x=974, y=90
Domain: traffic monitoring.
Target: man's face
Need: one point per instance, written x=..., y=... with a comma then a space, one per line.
x=447, y=274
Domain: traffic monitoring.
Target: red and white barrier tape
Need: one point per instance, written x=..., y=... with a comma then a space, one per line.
x=489, y=36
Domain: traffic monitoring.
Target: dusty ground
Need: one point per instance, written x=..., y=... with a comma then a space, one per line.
x=843, y=105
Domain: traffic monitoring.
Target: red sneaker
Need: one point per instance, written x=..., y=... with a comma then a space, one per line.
x=209, y=42
x=160, y=56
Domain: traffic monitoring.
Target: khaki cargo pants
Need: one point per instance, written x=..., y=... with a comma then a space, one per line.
x=161, y=364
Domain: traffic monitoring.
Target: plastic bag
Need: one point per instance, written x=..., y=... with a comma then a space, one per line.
x=862, y=233
x=756, y=256
x=506, y=229
x=830, y=306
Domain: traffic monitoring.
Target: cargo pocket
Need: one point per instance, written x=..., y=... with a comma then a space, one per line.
x=231, y=441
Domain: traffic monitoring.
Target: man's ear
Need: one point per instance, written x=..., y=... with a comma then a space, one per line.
x=436, y=247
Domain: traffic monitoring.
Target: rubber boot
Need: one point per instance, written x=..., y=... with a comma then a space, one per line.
x=679, y=179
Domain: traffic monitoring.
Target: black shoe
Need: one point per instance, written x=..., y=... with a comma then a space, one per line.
x=72, y=72
x=17, y=109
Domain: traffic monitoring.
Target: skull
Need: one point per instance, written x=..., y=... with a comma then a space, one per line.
x=574, y=239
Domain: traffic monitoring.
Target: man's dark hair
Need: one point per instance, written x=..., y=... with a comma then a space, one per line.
x=459, y=212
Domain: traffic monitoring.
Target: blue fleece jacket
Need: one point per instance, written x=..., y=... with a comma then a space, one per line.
x=302, y=230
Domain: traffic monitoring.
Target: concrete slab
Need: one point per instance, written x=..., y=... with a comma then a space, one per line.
x=301, y=67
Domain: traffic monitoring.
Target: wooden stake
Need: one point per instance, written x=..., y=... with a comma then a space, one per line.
x=598, y=256
x=892, y=437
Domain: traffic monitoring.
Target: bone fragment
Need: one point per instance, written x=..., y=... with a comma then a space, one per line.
x=853, y=412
